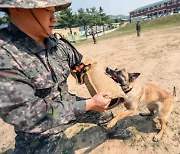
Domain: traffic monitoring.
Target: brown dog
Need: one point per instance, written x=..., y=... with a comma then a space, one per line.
x=155, y=98
x=93, y=75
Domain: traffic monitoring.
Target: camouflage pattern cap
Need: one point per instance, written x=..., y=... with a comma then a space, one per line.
x=30, y=4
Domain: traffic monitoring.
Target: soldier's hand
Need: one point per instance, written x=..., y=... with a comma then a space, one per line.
x=98, y=102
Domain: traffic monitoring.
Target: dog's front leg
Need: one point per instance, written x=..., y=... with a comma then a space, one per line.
x=120, y=116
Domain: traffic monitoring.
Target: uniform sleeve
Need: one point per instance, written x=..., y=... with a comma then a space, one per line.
x=74, y=57
x=21, y=108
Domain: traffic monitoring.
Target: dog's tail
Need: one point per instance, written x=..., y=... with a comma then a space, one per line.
x=174, y=91
x=176, y=98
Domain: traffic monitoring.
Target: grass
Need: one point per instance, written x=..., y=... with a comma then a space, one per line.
x=162, y=22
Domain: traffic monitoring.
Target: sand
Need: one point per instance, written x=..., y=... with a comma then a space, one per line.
x=156, y=55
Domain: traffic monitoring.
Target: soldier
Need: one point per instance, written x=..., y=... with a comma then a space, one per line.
x=34, y=67
x=138, y=28
x=93, y=36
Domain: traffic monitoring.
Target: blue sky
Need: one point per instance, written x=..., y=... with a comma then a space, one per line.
x=112, y=7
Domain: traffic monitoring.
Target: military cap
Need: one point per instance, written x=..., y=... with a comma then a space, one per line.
x=30, y=4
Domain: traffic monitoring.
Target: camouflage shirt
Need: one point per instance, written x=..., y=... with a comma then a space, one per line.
x=33, y=82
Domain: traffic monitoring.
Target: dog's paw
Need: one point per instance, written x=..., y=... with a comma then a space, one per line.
x=155, y=139
x=109, y=126
x=111, y=123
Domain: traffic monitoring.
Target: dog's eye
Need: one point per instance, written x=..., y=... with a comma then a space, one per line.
x=124, y=77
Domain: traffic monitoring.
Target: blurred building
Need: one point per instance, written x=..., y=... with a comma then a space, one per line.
x=155, y=10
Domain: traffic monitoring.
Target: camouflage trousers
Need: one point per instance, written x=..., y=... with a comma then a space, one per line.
x=32, y=143
x=138, y=33
x=27, y=143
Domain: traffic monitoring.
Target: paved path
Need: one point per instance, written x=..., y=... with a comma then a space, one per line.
x=109, y=31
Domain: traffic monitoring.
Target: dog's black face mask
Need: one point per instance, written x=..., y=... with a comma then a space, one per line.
x=117, y=76
x=122, y=77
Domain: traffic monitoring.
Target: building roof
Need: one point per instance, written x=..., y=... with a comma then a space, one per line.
x=146, y=6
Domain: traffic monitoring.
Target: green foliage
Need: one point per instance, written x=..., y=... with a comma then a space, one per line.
x=86, y=18
x=66, y=19
x=172, y=20
x=163, y=22
x=110, y=20
x=83, y=18
x=167, y=21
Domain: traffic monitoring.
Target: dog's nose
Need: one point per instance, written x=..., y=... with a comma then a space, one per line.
x=124, y=83
x=108, y=70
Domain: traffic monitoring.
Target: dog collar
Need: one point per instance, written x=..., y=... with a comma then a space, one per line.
x=127, y=91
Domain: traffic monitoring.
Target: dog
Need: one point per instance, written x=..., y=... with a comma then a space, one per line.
x=154, y=97
x=93, y=75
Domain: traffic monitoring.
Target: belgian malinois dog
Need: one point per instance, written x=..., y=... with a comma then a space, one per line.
x=158, y=101
x=93, y=75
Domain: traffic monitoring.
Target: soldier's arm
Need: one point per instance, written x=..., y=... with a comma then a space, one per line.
x=20, y=107
x=73, y=56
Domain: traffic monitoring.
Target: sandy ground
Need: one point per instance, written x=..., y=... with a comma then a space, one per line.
x=156, y=55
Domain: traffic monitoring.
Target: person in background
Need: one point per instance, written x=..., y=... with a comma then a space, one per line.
x=34, y=67
x=138, y=28
x=93, y=36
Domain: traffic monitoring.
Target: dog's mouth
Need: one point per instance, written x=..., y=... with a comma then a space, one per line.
x=114, y=74
x=124, y=87
x=115, y=102
x=109, y=71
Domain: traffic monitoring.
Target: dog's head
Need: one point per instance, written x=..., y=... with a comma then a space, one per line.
x=122, y=77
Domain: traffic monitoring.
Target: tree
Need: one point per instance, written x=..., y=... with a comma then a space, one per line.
x=66, y=19
x=103, y=17
x=94, y=19
x=83, y=19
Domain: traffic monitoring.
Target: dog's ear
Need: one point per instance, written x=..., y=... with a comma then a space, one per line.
x=124, y=69
x=133, y=76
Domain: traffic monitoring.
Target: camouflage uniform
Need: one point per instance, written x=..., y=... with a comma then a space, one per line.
x=29, y=4
x=138, y=28
x=34, y=95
